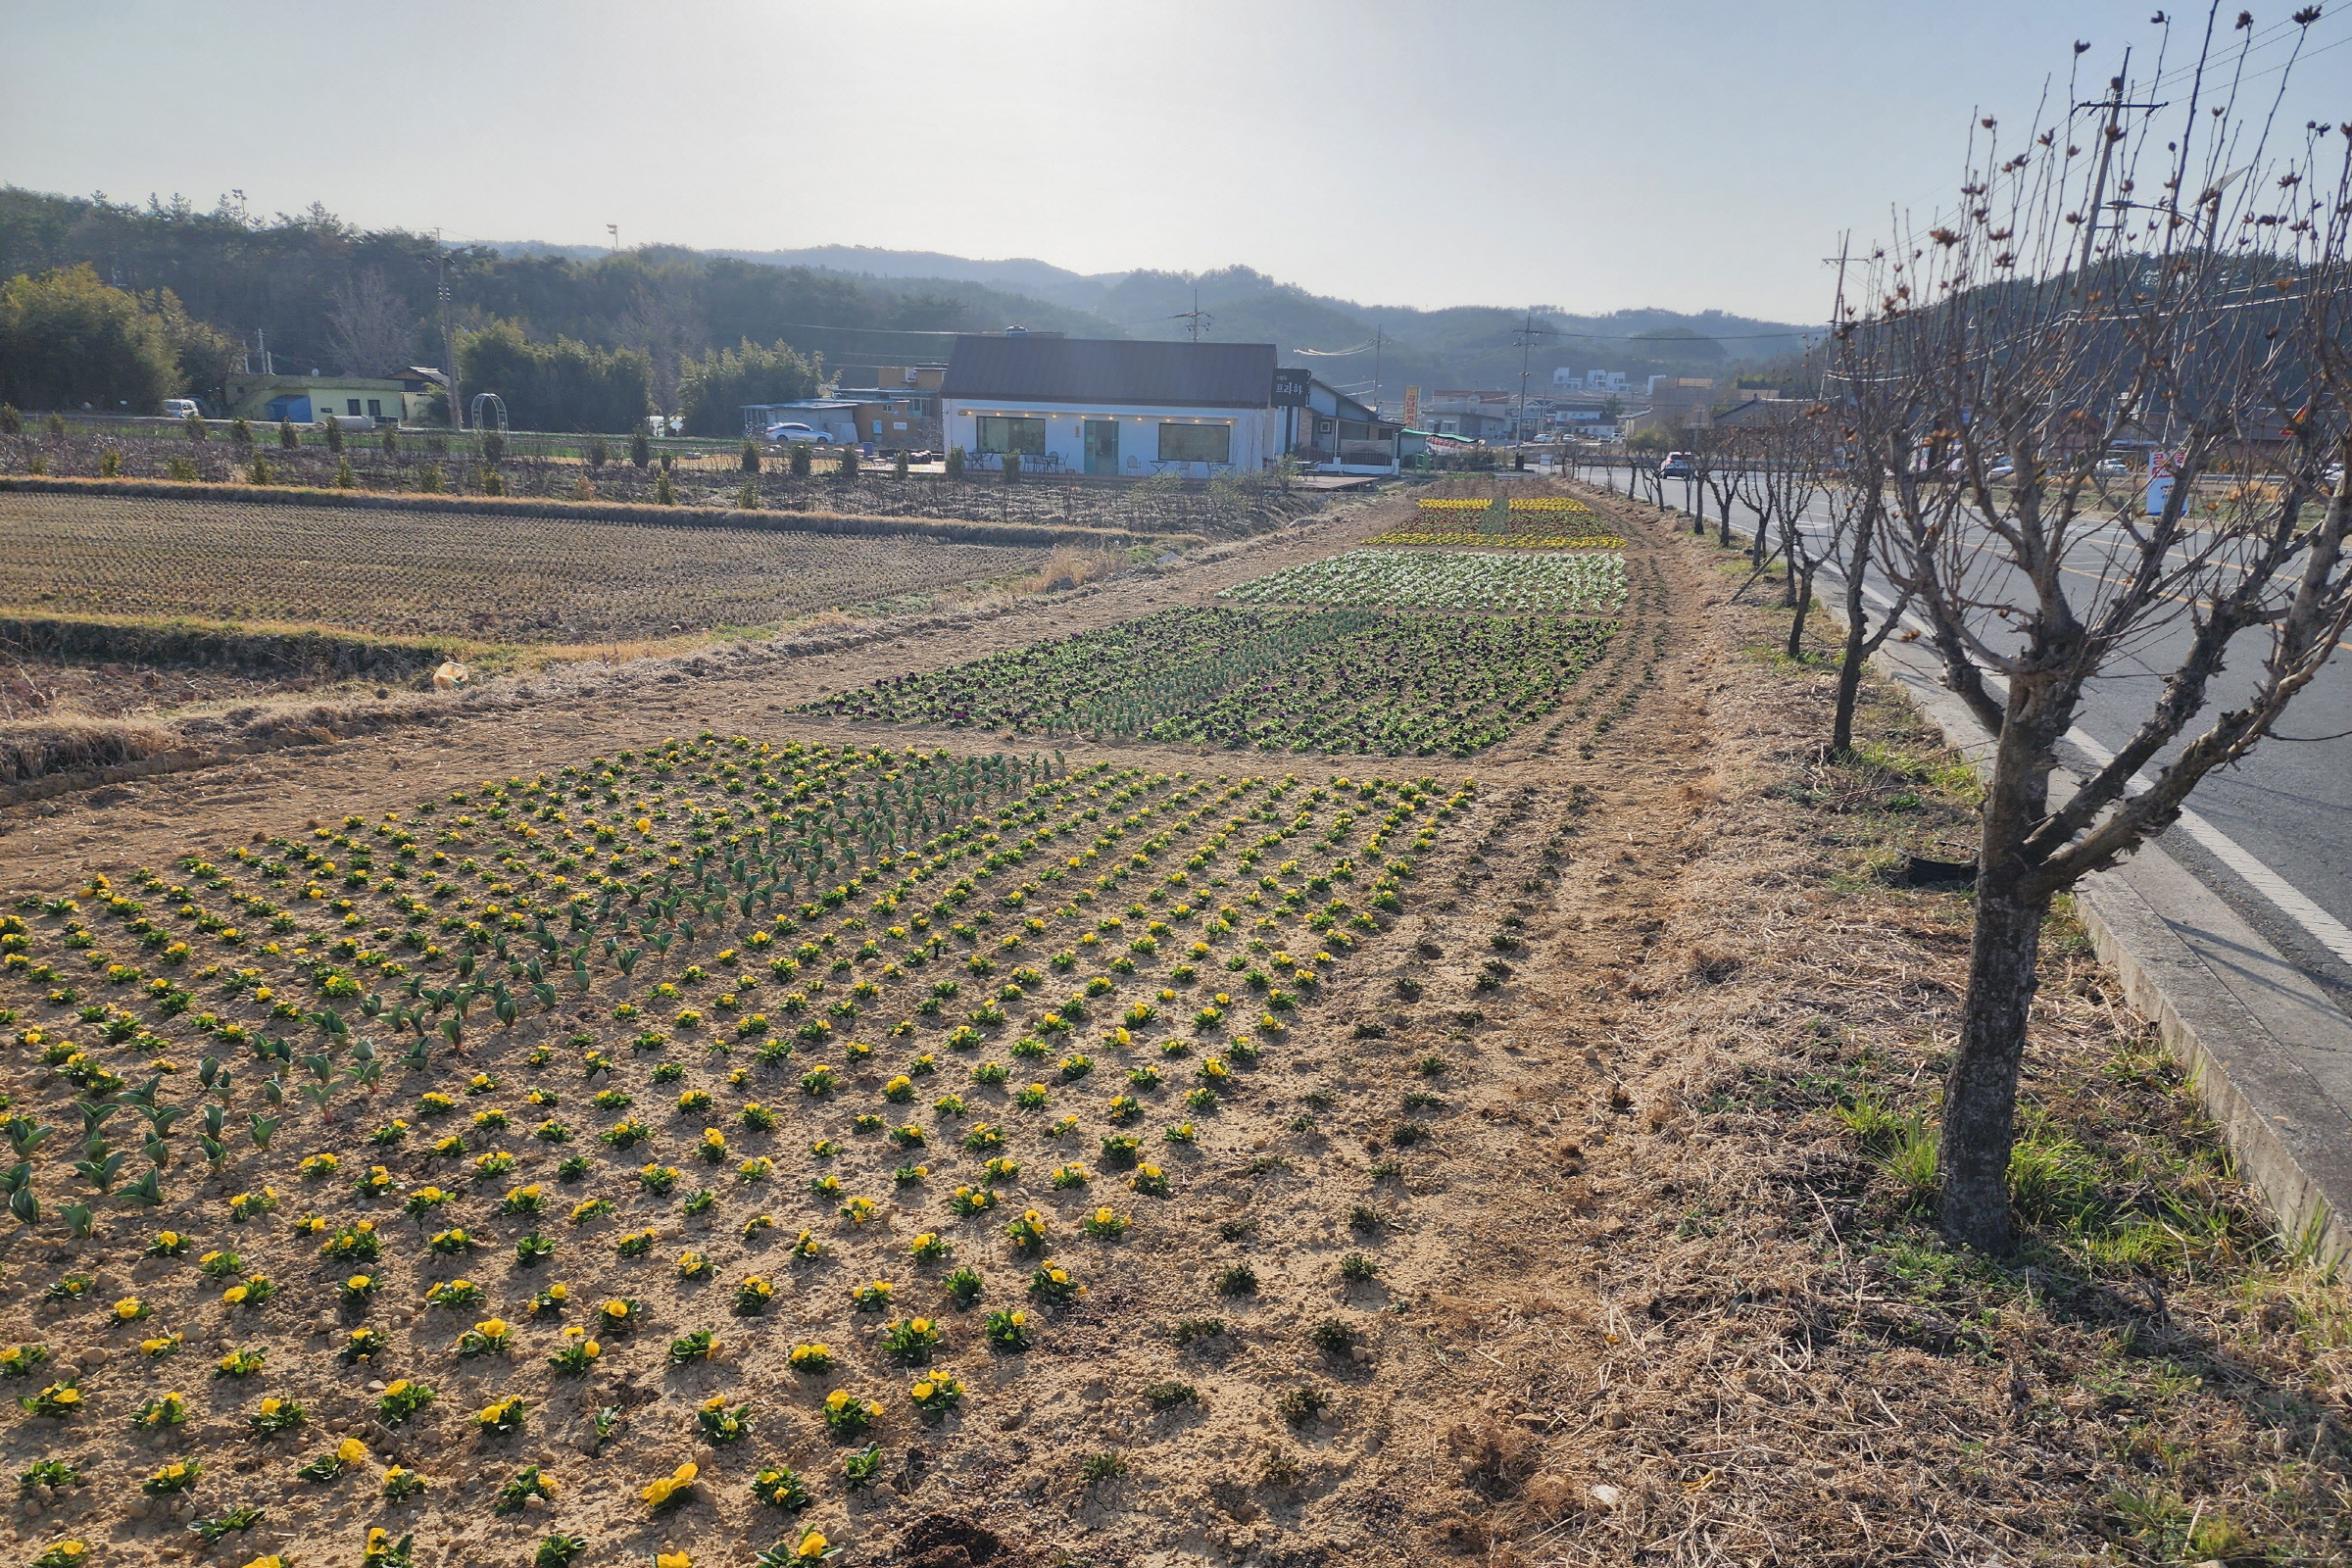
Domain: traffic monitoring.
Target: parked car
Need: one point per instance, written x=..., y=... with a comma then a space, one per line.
x=2003, y=469
x=792, y=432
x=180, y=408
x=1677, y=467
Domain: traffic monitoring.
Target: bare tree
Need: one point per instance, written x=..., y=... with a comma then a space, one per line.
x=369, y=328
x=663, y=323
x=1868, y=453
x=2111, y=285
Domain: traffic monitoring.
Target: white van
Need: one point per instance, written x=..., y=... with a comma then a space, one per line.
x=179, y=408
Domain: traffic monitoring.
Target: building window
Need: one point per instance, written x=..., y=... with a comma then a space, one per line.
x=997, y=433
x=375, y=408
x=351, y=405
x=1195, y=443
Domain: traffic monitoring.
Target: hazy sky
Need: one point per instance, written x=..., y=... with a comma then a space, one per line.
x=1589, y=156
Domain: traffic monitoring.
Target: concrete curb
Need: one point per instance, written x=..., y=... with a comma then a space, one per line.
x=2268, y=1055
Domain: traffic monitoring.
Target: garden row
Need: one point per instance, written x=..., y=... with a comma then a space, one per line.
x=1342, y=680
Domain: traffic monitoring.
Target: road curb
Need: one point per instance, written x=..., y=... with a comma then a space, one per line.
x=2268, y=1054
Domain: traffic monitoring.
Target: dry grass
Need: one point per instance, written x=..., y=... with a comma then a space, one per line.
x=42, y=748
x=1772, y=1357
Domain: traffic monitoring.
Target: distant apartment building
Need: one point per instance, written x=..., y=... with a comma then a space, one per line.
x=1471, y=414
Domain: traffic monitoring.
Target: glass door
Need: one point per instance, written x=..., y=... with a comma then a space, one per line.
x=1102, y=446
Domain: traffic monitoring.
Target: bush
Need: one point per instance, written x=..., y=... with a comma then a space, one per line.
x=55, y=425
x=334, y=434
x=598, y=453
x=641, y=449
x=664, y=493
x=240, y=432
x=713, y=389
x=955, y=463
x=798, y=460
x=583, y=488
x=391, y=442
x=747, y=498
x=750, y=463
x=428, y=479
x=899, y=469
x=494, y=446
x=1012, y=468
x=493, y=482
x=561, y=385
x=288, y=440
x=110, y=464
x=198, y=431
x=345, y=479
x=66, y=338
x=11, y=421
x=849, y=463
x=259, y=473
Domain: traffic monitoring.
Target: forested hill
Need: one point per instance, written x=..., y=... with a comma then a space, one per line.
x=288, y=277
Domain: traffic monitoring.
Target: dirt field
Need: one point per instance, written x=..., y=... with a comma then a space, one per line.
x=497, y=579
x=702, y=479
x=1563, y=1218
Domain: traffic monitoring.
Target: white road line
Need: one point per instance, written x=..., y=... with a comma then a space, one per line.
x=2325, y=928
x=2290, y=901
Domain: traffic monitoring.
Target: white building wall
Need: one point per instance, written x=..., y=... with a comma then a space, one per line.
x=1255, y=441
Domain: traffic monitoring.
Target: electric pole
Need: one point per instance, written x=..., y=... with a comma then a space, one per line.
x=449, y=338
x=1376, y=343
x=613, y=230
x=1198, y=318
x=1526, y=339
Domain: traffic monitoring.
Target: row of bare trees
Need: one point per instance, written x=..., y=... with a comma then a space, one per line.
x=2095, y=419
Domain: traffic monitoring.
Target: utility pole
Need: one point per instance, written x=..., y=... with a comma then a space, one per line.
x=613, y=230
x=2108, y=136
x=449, y=338
x=1376, y=342
x=1198, y=318
x=1527, y=338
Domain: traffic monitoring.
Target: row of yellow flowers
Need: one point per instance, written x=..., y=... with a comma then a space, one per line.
x=1513, y=504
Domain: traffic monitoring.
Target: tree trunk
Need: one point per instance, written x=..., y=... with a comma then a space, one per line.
x=1723, y=536
x=1980, y=1094
x=1850, y=670
x=1796, y=622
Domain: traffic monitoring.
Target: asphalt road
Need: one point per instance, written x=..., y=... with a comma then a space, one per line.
x=2273, y=836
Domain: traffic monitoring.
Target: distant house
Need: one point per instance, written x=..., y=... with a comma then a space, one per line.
x=310, y=399
x=1108, y=406
x=898, y=405
x=1473, y=415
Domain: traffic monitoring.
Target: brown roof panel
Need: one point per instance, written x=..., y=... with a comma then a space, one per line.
x=1105, y=371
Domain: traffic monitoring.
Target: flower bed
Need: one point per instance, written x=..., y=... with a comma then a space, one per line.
x=326, y=1051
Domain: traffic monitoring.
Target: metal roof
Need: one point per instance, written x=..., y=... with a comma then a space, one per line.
x=1106, y=370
